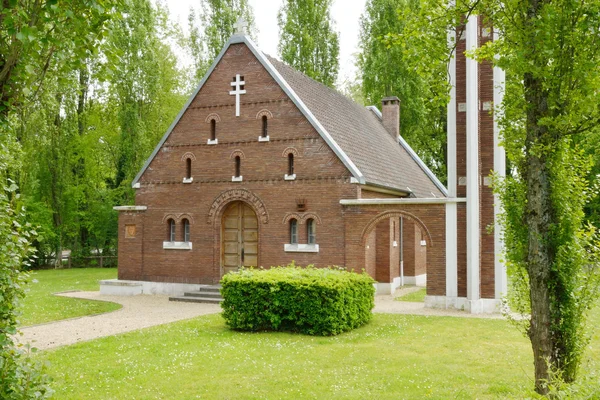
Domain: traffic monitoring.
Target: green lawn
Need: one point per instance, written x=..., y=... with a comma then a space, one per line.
x=40, y=305
x=414, y=297
x=395, y=356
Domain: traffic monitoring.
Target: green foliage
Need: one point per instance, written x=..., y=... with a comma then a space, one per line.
x=20, y=377
x=307, y=40
x=395, y=60
x=315, y=301
x=40, y=35
x=217, y=19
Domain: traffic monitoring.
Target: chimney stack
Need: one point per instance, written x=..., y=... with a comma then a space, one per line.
x=390, y=110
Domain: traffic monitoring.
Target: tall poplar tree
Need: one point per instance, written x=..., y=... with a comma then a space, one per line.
x=212, y=28
x=307, y=39
x=391, y=71
x=549, y=50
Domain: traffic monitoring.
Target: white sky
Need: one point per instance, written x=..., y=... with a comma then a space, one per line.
x=346, y=14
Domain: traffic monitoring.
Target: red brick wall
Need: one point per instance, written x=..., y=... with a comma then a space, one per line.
x=321, y=179
x=408, y=246
x=382, y=273
x=130, y=248
x=420, y=266
x=370, y=254
x=486, y=160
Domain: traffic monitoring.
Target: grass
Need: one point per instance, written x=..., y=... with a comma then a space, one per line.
x=414, y=297
x=40, y=305
x=395, y=356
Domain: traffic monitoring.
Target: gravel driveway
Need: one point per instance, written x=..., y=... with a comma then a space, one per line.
x=145, y=310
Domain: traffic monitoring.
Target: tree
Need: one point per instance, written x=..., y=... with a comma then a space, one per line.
x=386, y=70
x=35, y=36
x=218, y=18
x=549, y=50
x=307, y=39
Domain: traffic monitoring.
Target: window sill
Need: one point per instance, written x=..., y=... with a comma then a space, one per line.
x=237, y=178
x=301, y=248
x=188, y=180
x=215, y=141
x=177, y=245
x=263, y=138
x=289, y=177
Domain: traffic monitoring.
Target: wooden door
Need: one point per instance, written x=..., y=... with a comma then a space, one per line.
x=239, y=246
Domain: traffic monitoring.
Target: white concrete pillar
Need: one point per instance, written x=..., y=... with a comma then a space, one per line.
x=500, y=169
x=451, y=208
x=473, y=176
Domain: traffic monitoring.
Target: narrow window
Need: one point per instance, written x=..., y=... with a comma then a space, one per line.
x=171, y=231
x=186, y=230
x=188, y=168
x=237, y=166
x=213, y=129
x=290, y=164
x=311, y=232
x=265, y=132
x=293, y=231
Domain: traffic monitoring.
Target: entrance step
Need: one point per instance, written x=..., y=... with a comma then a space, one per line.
x=206, y=294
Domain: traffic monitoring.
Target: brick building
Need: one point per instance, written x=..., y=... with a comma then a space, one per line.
x=263, y=166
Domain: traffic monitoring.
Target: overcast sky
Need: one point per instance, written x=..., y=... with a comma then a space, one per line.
x=346, y=14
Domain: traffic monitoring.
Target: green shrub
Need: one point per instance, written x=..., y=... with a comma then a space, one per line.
x=315, y=301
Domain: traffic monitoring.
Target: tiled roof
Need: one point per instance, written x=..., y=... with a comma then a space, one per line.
x=361, y=135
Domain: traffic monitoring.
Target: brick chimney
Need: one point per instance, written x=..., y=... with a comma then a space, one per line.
x=390, y=110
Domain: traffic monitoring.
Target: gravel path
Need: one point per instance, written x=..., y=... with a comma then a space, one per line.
x=145, y=311
x=138, y=312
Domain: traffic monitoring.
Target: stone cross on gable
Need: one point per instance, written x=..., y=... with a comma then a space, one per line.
x=241, y=26
x=238, y=83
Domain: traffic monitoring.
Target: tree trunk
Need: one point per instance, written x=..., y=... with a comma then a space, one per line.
x=539, y=218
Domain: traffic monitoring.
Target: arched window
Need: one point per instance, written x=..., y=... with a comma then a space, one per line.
x=311, y=232
x=238, y=166
x=213, y=129
x=265, y=132
x=186, y=230
x=188, y=168
x=171, y=230
x=293, y=231
x=290, y=164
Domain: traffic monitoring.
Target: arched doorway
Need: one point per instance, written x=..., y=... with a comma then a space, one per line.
x=239, y=237
x=395, y=246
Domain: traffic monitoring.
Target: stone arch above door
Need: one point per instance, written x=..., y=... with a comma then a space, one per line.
x=231, y=195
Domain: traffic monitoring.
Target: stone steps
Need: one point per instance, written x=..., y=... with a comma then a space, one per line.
x=206, y=294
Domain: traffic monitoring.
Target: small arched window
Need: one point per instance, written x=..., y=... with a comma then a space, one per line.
x=265, y=131
x=171, y=230
x=311, y=232
x=238, y=166
x=188, y=168
x=186, y=230
x=290, y=164
x=213, y=129
x=293, y=231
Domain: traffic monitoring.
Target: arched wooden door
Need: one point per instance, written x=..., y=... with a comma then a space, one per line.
x=239, y=237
